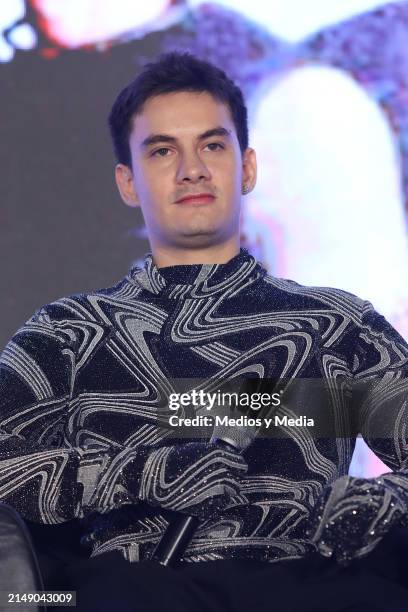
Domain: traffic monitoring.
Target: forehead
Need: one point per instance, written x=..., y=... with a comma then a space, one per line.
x=180, y=112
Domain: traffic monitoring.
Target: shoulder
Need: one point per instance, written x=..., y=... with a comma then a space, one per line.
x=320, y=297
x=86, y=306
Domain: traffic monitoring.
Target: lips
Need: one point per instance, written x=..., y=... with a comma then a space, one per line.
x=196, y=198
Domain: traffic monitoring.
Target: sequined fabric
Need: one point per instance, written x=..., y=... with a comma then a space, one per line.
x=196, y=478
x=353, y=514
x=82, y=380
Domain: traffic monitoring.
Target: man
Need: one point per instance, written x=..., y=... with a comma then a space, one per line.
x=84, y=381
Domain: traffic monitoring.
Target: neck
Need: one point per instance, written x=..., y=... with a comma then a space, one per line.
x=215, y=254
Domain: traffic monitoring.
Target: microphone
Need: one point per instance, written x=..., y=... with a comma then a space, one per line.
x=181, y=530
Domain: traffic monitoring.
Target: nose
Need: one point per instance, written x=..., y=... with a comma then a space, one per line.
x=192, y=168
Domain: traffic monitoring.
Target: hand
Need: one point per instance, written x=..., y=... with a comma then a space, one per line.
x=199, y=479
x=352, y=515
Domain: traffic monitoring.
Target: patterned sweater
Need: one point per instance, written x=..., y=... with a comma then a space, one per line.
x=81, y=381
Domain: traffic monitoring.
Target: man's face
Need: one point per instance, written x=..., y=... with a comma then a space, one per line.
x=184, y=143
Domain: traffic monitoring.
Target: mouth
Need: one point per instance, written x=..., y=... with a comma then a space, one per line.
x=197, y=200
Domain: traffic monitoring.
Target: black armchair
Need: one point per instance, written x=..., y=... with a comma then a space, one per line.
x=33, y=556
x=20, y=570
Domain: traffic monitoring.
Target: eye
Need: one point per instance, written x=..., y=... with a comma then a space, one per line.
x=217, y=144
x=158, y=151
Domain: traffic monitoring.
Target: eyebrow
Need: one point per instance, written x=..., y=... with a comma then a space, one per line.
x=155, y=138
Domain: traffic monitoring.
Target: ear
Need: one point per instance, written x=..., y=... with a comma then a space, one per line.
x=125, y=184
x=249, y=169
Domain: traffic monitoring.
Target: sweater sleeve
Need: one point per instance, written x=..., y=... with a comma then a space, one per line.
x=381, y=388
x=42, y=475
x=353, y=514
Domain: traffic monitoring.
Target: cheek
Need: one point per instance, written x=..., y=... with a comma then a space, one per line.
x=226, y=171
x=228, y=181
x=151, y=183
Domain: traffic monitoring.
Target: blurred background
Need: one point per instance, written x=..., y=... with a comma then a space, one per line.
x=326, y=84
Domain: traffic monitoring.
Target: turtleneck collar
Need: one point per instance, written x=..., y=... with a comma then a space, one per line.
x=197, y=280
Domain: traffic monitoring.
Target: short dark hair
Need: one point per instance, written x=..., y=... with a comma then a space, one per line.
x=172, y=72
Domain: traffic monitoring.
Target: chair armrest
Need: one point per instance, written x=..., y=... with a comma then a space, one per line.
x=19, y=569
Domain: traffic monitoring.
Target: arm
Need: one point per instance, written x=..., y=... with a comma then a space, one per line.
x=42, y=475
x=381, y=382
x=50, y=481
x=353, y=514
